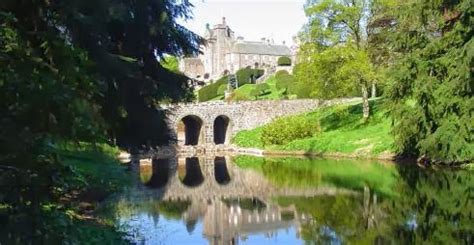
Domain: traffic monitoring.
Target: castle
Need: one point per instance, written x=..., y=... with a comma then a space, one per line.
x=223, y=53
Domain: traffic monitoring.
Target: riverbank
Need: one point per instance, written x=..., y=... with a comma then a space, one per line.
x=341, y=133
x=96, y=175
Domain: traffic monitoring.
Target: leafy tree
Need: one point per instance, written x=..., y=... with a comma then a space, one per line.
x=79, y=70
x=337, y=24
x=431, y=99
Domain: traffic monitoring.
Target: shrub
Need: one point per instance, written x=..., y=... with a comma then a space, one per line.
x=285, y=130
x=212, y=90
x=222, y=88
x=248, y=75
x=284, y=61
x=285, y=81
x=281, y=73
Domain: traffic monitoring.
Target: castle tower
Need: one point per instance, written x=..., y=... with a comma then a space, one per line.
x=219, y=43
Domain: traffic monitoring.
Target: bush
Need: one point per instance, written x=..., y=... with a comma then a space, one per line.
x=285, y=82
x=284, y=61
x=248, y=75
x=212, y=90
x=285, y=130
x=281, y=73
x=222, y=89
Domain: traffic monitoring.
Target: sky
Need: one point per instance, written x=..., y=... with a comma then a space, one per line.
x=251, y=19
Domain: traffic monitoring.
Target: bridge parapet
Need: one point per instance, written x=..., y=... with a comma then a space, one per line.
x=242, y=115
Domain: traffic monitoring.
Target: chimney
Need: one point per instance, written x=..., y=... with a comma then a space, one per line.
x=223, y=21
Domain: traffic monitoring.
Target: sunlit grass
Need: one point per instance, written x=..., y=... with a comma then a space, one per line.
x=343, y=130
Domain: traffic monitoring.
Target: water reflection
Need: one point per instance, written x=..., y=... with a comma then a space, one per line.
x=159, y=173
x=290, y=201
x=192, y=174
x=220, y=171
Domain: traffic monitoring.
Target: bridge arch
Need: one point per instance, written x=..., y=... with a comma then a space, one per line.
x=190, y=130
x=221, y=172
x=222, y=129
x=190, y=173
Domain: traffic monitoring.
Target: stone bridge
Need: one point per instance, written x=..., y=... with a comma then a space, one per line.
x=216, y=122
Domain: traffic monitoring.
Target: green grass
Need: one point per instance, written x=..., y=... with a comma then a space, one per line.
x=343, y=131
x=97, y=163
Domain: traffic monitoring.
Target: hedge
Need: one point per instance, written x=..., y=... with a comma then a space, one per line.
x=248, y=75
x=281, y=73
x=244, y=76
x=211, y=91
x=284, y=61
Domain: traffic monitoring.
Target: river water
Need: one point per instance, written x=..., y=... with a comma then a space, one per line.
x=252, y=200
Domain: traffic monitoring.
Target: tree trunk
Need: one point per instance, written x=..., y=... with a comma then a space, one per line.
x=374, y=91
x=365, y=101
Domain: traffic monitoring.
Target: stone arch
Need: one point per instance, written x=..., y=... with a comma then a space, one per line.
x=160, y=173
x=222, y=130
x=221, y=172
x=190, y=130
x=191, y=174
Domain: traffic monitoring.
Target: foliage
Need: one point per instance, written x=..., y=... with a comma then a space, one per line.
x=334, y=55
x=284, y=61
x=222, y=88
x=342, y=130
x=244, y=76
x=248, y=75
x=211, y=91
x=259, y=90
x=431, y=99
x=171, y=63
x=78, y=71
x=287, y=83
x=284, y=130
x=281, y=73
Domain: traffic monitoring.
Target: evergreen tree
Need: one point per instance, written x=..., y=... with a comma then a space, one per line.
x=431, y=99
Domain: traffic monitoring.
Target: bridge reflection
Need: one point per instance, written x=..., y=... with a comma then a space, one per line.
x=232, y=203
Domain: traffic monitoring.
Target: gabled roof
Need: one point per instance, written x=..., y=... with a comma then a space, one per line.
x=260, y=48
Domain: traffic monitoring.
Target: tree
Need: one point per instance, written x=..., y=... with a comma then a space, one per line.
x=337, y=24
x=171, y=63
x=431, y=98
x=79, y=70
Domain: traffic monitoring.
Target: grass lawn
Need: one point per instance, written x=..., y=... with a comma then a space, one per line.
x=343, y=130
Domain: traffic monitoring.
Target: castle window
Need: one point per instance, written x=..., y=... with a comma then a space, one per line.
x=246, y=57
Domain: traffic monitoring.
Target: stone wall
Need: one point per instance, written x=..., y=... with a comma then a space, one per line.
x=243, y=115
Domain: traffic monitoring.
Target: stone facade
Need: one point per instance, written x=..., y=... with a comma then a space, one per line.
x=242, y=115
x=225, y=53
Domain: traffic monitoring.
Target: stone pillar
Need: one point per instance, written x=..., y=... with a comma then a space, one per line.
x=209, y=133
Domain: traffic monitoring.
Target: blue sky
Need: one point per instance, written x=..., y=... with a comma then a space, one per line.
x=277, y=19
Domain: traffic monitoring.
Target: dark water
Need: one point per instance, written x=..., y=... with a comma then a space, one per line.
x=249, y=200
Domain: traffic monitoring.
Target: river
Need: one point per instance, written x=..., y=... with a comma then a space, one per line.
x=252, y=200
